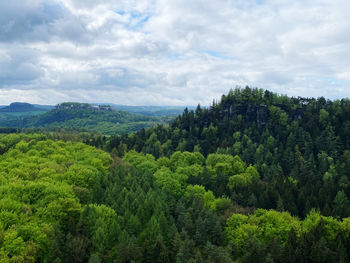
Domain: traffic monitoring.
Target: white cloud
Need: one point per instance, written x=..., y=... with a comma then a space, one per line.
x=171, y=52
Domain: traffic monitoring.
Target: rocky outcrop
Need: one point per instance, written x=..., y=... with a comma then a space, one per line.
x=82, y=106
x=252, y=113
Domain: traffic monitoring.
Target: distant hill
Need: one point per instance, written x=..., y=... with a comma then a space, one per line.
x=82, y=106
x=24, y=107
x=106, y=119
x=20, y=107
x=44, y=107
x=82, y=116
x=144, y=110
x=153, y=110
x=12, y=115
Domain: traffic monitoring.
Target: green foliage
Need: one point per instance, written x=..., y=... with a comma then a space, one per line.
x=199, y=192
x=146, y=162
x=84, y=118
x=257, y=177
x=170, y=181
x=299, y=146
x=243, y=179
x=37, y=194
x=100, y=224
x=224, y=164
x=267, y=227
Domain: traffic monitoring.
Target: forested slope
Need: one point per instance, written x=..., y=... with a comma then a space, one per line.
x=256, y=177
x=104, y=122
x=300, y=147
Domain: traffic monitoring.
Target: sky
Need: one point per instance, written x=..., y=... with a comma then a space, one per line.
x=178, y=52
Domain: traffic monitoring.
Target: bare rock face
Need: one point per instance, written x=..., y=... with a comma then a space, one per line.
x=82, y=106
x=258, y=113
x=262, y=115
x=298, y=114
x=251, y=112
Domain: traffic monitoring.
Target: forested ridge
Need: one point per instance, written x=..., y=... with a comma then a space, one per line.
x=256, y=177
x=300, y=146
x=83, y=119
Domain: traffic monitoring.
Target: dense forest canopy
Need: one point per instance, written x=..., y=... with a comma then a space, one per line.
x=44, y=185
x=300, y=146
x=256, y=177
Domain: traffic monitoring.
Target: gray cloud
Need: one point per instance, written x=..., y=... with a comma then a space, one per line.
x=19, y=66
x=171, y=52
x=27, y=21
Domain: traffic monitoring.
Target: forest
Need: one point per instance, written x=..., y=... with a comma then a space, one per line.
x=255, y=177
x=82, y=119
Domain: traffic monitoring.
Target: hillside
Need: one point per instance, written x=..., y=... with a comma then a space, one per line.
x=13, y=114
x=300, y=146
x=21, y=107
x=257, y=177
x=79, y=116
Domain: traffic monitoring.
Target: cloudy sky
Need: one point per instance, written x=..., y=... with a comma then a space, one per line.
x=171, y=52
